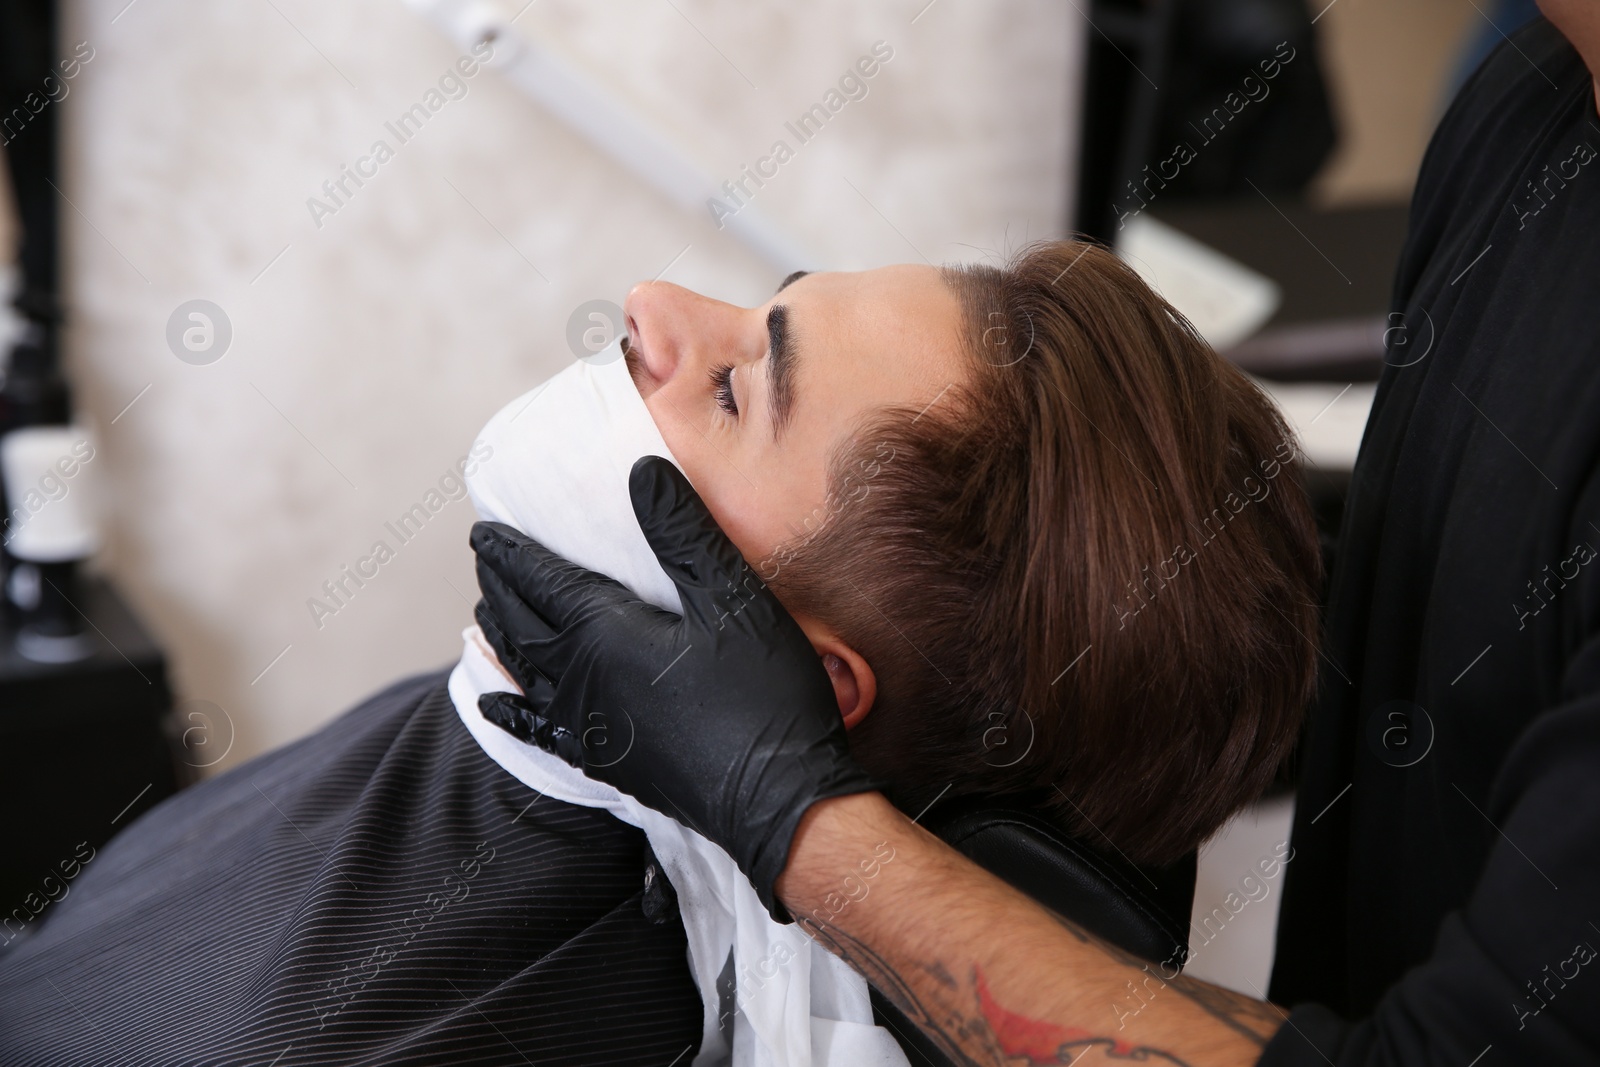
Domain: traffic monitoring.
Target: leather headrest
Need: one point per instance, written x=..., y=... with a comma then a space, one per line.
x=1141, y=910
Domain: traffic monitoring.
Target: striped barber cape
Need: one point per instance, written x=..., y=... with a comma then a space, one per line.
x=379, y=892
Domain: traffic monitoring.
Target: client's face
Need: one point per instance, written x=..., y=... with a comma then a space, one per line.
x=753, y=402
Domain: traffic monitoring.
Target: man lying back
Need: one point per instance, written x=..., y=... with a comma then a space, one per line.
x=1021, y=513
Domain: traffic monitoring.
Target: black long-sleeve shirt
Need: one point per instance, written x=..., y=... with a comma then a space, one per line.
x=1443, y=905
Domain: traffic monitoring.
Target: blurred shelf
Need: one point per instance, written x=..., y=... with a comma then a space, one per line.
x=83, y=749
x=1335, y=266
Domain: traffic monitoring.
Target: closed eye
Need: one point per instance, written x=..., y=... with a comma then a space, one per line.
x=722, y=389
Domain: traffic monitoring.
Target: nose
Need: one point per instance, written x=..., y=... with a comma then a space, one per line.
x=674, y=329
x=654, y=329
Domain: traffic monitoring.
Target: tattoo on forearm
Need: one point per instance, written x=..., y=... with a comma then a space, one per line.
x=971, y=1026
x=958, y=1038
x=974, y=1029
x=1255, y=1020
x=1035, y=1041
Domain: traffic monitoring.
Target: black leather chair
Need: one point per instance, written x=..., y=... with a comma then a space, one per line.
x=1142, y=910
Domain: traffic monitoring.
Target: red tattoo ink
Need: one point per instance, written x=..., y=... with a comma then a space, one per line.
x=1035, y=1039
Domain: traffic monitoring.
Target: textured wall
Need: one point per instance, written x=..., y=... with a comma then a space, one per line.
x=367, y=352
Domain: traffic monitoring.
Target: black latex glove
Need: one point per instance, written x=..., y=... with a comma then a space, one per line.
x=723, y=718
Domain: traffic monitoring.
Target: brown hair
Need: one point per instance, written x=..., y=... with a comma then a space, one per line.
x=1089, y=572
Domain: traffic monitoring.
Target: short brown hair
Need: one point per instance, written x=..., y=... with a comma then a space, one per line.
x=1097, y=551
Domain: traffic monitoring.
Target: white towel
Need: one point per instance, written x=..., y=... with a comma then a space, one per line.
x=557, y=469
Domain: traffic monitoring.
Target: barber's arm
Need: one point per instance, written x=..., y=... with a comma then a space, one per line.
x=994, y=977
x=735, y=732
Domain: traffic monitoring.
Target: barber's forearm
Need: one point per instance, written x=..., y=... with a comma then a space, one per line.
x=991, y=975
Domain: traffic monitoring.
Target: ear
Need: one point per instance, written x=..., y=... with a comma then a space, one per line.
x=854, y=684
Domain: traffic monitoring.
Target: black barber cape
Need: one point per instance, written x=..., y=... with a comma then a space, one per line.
x=1445, y=888
x=380, y=892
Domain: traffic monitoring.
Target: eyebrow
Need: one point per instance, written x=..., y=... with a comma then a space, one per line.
x=780, y=369
x=790, y=280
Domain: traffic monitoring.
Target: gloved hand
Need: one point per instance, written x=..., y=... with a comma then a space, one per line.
x=723, y=719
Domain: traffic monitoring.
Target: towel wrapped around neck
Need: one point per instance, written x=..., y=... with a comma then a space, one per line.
x=556, y=467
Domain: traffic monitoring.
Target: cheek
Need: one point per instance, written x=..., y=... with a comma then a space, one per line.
x=728, y=485
x=676, y=430
x=740, y=513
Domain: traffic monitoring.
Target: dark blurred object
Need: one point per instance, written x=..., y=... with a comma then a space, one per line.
x=82, y=754
x=1188, y=98
x=1335, y=267
x=1142, y=910
x=33, y=391
x=83, y=688
x=1128, y=47
x=1246, y=92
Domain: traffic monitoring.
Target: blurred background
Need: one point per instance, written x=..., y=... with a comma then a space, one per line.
x=271, y=361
